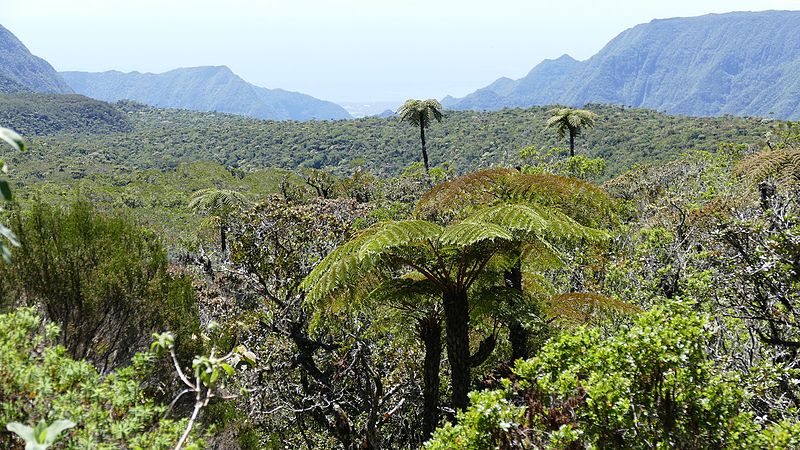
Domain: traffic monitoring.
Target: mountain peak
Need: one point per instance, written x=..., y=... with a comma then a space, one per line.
x=203, y=88
x=742, y=63
x=22, y=71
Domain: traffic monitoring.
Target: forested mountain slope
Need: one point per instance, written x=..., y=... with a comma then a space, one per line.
x=162, y=139
x=20, y=71
x=744, y=63
x=45, y=114
x=203, y=89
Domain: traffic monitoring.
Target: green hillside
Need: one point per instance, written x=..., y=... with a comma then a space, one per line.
x=46, y=114
x=466, y=140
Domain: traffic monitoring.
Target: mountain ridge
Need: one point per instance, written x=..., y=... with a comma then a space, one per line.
x=740, y=63
x=203, y=88
x=22, y=71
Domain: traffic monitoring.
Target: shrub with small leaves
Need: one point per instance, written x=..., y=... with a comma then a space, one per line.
x=40, y=382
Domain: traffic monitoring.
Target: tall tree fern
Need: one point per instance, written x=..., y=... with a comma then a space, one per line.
x=421, y=113
x=569, y=209
x=452, y=258
x=218, y=204
x=570, y=122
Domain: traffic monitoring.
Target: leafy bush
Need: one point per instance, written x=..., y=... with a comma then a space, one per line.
x=39, y=381
x=105, y=281
x=649, y=386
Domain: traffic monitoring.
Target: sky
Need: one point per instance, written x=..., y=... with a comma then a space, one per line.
x=339, y=50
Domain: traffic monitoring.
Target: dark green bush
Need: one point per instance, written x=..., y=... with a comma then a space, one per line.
x=105, y=281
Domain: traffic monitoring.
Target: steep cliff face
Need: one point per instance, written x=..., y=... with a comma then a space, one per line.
x=20, y=71
x=735, y=63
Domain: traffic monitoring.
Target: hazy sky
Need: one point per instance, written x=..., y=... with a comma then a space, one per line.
x=341, y=50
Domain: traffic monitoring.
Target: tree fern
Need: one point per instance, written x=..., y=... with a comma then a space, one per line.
x=468, y=233
x=781, y=165
x=455, y=199
x=217, y=201
x=389, y=235
x=577, y=308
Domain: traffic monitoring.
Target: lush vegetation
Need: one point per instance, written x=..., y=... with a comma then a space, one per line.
x=549, y=301
x=464, y=141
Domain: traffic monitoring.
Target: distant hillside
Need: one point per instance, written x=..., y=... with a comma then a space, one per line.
x=466, y=140
x=43, y=114
x=203, y=89
x=737, y=63
x=20, y=71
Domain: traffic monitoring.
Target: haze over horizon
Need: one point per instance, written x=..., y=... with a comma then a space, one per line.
x=342, y=50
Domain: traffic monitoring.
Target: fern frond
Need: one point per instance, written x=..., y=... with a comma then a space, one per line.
x=421, y=112
x=513, y=217
x=465, y=234
x=390, y=235
x=340, y=268
x=457, y=198
x=782, y=165
x=581, y=307
x=217, y=201
x=538, y=254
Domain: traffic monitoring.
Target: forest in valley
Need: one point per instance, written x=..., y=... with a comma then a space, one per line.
x=542, y=278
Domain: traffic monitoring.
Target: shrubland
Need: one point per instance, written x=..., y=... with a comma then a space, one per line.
x=545, y=302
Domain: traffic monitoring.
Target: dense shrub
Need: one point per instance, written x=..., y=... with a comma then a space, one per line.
x=39, y=381
x=649, y=386
x=105, y=281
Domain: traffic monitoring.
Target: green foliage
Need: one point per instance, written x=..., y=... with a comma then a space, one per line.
x=487, y=424
x=40, y=382
x=570, y=121
x=104, y=280
x=42, y=436
x=61, y=114
x=164, y=139
x=6, y=235
x=421, y=113
x=650, y=386
x=553, y=161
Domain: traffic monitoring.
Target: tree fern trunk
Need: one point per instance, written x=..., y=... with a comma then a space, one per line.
x=571, y=142
x=517, y=333
x=223, y=239
x=430, y=331
x=424, y=148
x=456, y=310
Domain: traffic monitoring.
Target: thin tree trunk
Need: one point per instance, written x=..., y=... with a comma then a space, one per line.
x=456, y=310
x=430, y=331
x=571, y=142
x=223, y=239
x=517, y=333
x=424, y=148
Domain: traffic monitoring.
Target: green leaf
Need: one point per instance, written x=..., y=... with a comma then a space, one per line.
x=5, y=190
x=247, y=356
x=227, y=368
x=8, y=234
x=13, y=139
x=24, y=431
x=469, y=233
x=56, y=428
